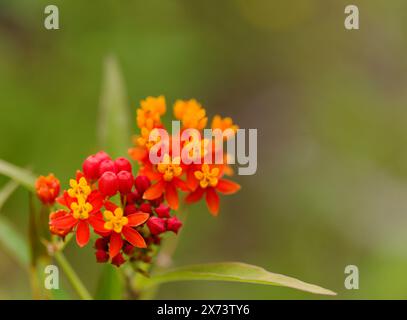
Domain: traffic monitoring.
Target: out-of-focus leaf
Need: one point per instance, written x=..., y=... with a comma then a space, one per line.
x=114, y=137
x=114, y=132
x=236, y=272
x=73, y=278
x=13, y=243
x=20, y=175
x=10, y=239
x=110, y=285
x=7, y=191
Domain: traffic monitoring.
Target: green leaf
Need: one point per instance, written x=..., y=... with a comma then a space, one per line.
x=114, y=137
x=7, y=191
x=13, y=242
x=10, y=239
x=20, y=175
x=114, y=132
x=110, y=285
x=235, y=272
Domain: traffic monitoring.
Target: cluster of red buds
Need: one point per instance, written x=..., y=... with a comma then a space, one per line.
x=107, y=198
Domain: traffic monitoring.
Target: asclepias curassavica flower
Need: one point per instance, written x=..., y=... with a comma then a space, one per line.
x=127, y=207
x=129, y=211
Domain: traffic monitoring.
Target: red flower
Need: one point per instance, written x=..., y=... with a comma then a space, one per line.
x=47, y=189
x=210, y=182
x=117, y=225
x=167, y=181
x=84, y=207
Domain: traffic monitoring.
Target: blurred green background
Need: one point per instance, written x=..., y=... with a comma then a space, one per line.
x=330, y=106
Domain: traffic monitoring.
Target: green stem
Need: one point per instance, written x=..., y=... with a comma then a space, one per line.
x=72, y=276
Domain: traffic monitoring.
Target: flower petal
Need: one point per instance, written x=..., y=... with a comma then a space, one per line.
x=137, y=219
x=155, y=191
x=97, y=223
x=192, y=182
x=110, y=206
x=134, y=237
x=180, y=184
x=212, y=200
x=96, y=200
x=116, y=243
x=195, y=196
x=79, y=175
x=64, y=222
x=82, y=233
x=227, y=187
x=171, y=195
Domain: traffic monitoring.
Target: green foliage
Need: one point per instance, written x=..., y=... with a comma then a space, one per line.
x=114, y=133
x=20, y=175
x=236, y=272
x=10, y=239
x=110, y=285
x=13, y=242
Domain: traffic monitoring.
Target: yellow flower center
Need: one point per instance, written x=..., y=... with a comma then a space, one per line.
x=207, y=177
x=170, y=169
x=81, y=209
x=115, y=220
x=79, y=190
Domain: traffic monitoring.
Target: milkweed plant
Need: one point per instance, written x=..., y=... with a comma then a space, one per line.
x=127, y=206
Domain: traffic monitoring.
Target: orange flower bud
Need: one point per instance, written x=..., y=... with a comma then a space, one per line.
x=47, y=189
x=59, y=232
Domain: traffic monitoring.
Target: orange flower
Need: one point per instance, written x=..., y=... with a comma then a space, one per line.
x=47, y=189
x=224, y=124
x=59, y=232
x=149, y=115
x=191, y=114
x=209, y=182
x=168, y=180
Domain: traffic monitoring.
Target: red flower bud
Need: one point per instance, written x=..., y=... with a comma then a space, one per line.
x=101, y=256
x=158, y=201
x=122, y=164
x=91, y=168
x=47, y=189
x=108, y=184
x=126, y=180
x=101, y=155
x=157, y=240
x=101, y=244
x=156, y=225
x=128, y=249
x=118, y=260
x=130, y=209
x=146, y=207
x=142, y=183
x=163, y=211
x=106, y=165
x=133, y=197
x=173, y=224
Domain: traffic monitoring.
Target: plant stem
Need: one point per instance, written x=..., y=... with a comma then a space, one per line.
x=72, y=276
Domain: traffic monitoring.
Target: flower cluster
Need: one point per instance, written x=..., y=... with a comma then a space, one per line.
x=127, y=212
x=173, y=174
x=106, y=198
